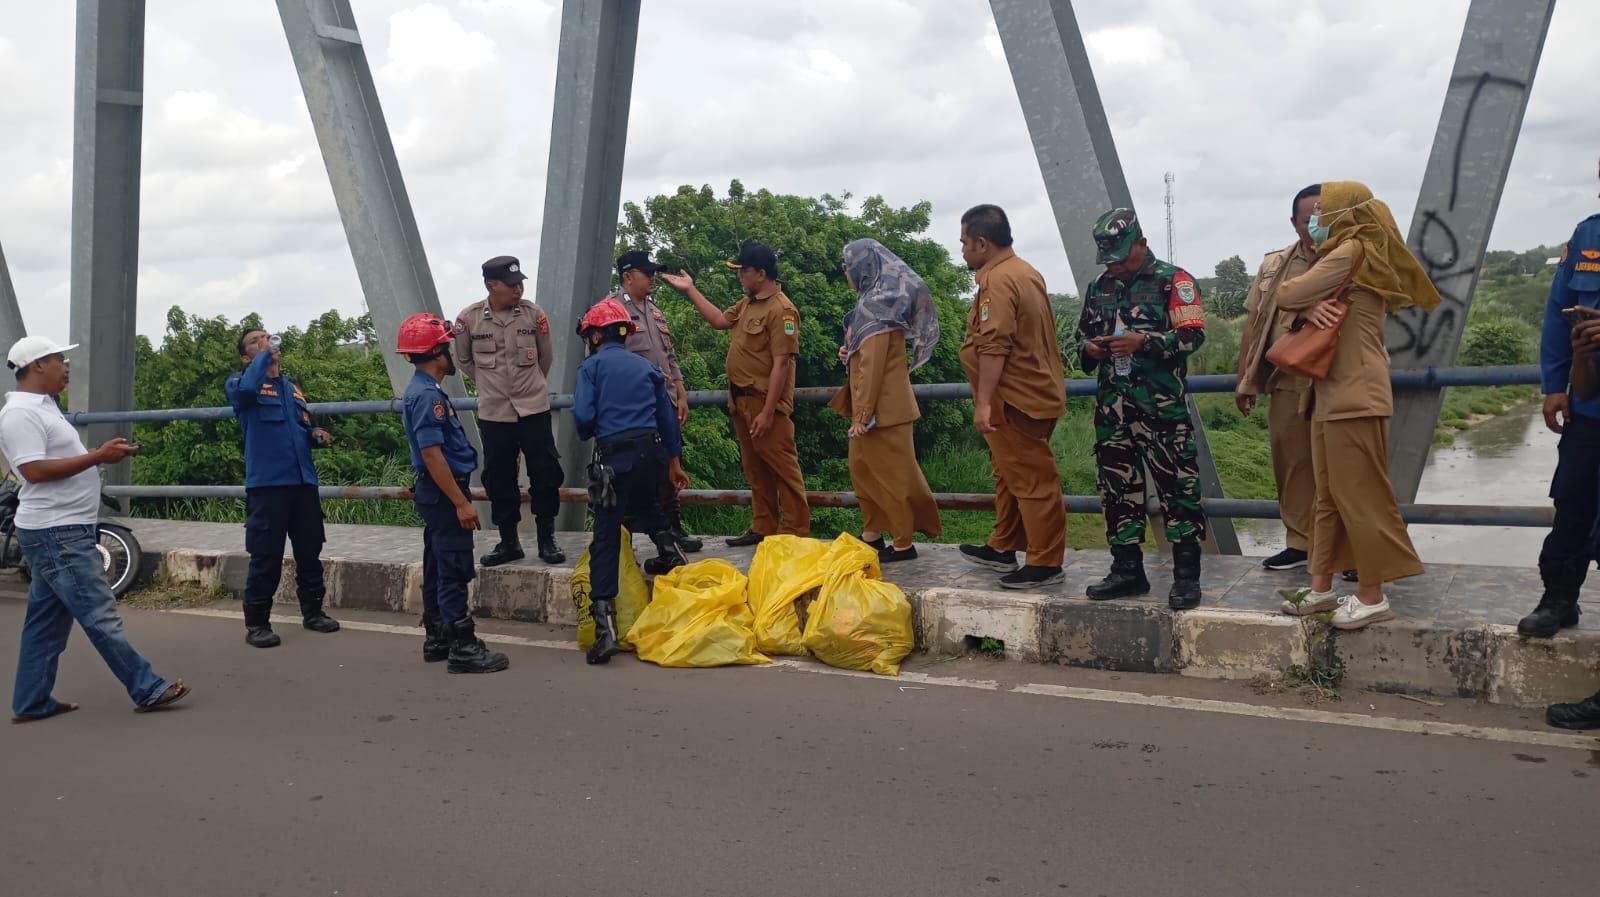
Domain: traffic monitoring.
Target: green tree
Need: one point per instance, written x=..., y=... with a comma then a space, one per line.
x=697, y=231
x=1232, y=275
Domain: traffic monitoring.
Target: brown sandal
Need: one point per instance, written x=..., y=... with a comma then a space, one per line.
x=175, y=692
x=61, y=707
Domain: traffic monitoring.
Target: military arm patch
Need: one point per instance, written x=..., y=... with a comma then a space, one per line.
x=438, y=410
x=1184, y=309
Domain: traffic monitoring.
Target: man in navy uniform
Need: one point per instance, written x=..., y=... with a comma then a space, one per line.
x=280, y=483
x=444, y=461
x=621, y=402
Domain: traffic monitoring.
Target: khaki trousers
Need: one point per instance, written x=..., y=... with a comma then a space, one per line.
x=1290, y=434
x=1028, y=513
x=1358, y=523
x=772, y=468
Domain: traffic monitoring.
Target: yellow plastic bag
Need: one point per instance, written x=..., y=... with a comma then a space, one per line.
x=633, y=594
x=784, y=568
x=860, y=624
x=698, y=618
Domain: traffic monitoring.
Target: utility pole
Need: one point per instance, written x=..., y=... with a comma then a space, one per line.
x=1171, y=255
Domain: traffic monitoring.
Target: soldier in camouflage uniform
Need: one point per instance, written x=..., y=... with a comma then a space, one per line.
x=1141, y=321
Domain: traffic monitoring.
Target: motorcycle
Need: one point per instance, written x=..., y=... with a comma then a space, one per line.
x=120, y=554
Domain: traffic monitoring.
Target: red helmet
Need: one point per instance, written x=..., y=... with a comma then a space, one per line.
x=422, y=333
x=604, y=313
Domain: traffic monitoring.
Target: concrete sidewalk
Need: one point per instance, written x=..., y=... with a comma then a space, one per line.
x=1455, y=633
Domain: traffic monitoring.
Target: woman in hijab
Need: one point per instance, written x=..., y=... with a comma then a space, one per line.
x=892, y=304
x=1357, y=520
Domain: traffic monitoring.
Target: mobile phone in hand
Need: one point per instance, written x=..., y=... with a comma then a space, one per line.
x=1579, y=313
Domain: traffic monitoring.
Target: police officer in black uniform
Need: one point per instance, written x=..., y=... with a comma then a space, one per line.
x=280, y=482
x=444, y=461
x=621, y=402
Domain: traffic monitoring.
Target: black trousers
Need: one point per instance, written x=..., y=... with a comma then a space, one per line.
x=1576, y=491
x=638, y=475
x=271, y=514
x=530, y=437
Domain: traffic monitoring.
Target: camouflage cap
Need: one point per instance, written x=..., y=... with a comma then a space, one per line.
x=1114, y=235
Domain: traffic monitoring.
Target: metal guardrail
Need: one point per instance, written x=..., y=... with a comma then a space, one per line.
x=1432, y=378
x=1242, y=508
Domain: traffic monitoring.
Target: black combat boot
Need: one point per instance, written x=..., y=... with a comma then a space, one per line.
x=1583, y=715
x=549, y=552
x=688, y=543
x=604, y=612
x=435, y=647
x=468, y=654
x=509, y=548
x=1558, y=606
x=312, y=616
x=1126, y=578
x=668, y=554
x=258, y=626
x=1185, y=592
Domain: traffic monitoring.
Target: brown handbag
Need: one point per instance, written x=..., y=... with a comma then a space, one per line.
x=1307, y=349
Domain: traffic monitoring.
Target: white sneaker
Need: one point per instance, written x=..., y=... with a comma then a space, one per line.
x=1305, y=602
x=1352, y=614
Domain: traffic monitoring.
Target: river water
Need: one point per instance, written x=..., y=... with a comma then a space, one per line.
x=1504, y=461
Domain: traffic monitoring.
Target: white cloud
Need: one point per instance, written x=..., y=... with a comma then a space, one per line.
x=427, y=40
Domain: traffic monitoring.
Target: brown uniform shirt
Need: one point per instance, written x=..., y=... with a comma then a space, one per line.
x=508, y=354
x=1357, y=384
x=879, y=383
x=1265, y=323
x=1011, y=316
x=764, y=326
x=651, y=336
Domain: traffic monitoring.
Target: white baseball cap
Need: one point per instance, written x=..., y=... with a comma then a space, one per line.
x=32, y=348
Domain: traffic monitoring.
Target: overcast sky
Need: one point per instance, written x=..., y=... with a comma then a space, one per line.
x=1246, y=100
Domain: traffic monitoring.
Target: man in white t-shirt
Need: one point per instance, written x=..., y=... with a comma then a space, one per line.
x=57, y=528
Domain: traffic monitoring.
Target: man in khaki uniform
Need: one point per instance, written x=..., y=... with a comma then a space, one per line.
x=1018, y=388
x=651, y=337
x=1288, y=425
x=765, y=340
x=504, y=345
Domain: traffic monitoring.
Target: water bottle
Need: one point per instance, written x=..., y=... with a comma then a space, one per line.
x=1122, y=364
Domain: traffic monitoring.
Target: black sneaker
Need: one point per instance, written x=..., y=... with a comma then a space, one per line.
x=984, y=556
x=1032, y=577
x=1287, y=559
x=889, y=554
x=750, y=537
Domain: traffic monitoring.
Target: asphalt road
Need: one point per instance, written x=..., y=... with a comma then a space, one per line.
x=342, y=765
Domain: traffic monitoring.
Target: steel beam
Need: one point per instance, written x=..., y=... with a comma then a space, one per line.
x=1478, y=127
x=1078, y=158
x=364, y=173
x=12, y=327
x=108, y=121
x=583, y=189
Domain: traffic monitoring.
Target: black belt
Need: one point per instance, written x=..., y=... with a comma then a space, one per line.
x=631, y=440
x=464, y=480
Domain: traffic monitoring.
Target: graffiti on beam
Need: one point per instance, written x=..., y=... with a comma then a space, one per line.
x=1415, y=334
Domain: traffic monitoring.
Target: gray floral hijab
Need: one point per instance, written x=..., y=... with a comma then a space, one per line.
x=890, y=296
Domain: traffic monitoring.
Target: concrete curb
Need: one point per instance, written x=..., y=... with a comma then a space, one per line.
x=1487, y=662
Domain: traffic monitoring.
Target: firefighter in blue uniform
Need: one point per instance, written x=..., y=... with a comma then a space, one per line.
x=1570, y=548
x=280, y=482
x=444, y=461
x=621, y=402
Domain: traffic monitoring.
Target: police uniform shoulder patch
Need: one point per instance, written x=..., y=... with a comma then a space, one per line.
x=438, y=410
x=460, y=326
x=544, y=323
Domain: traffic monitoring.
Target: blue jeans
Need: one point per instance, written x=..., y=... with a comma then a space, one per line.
x=69, y=582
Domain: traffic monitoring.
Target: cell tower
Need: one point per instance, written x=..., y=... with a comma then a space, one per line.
x=1171, y=254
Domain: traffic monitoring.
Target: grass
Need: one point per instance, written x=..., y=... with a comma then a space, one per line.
x=165, y=593
x=1465, y=404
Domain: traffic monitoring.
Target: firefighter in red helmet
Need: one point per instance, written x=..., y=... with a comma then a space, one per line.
x=444, y=460
x=621, y=402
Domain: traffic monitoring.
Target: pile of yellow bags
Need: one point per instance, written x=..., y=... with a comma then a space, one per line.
x=803, y=596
